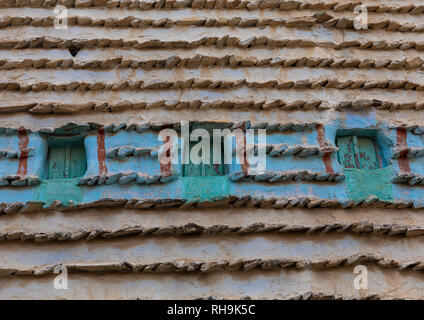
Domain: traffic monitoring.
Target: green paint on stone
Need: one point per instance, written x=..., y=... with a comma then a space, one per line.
x=206, y=188
x=367, y=154
x=64, y=190
x=358, y=152
x=205, y=169
x=67, y=162
x=363, y=183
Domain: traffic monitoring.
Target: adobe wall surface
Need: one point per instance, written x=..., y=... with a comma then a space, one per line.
x=124, y=70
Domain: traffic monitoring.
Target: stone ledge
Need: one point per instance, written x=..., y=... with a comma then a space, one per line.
x=409, y=178
x=194, y=84
x=298, y=105
x=285, y=176
x=363, y=227
x=72, y=128
x=19, y=181
x=210, y=61
x=408, y=152
x=287, y=5
x=219, y=42
x=220, y=266
x=124, y=178
x=323, y=18
x=231, y=201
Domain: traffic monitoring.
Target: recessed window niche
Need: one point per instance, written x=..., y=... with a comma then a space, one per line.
x=363, y=154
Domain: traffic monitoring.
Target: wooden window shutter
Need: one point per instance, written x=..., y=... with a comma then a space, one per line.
x=204, y=169
x=67, y=162
x=57, y=160
x=358, y=152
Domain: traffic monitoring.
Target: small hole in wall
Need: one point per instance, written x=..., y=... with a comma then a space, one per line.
x=73, y=50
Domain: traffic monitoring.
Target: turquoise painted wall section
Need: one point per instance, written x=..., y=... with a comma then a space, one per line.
x=147, y=164
x=363, y=183
x=65, y=190
x=206, y=188
x=356, y=186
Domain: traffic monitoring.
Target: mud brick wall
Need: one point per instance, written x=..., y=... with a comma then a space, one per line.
x=130, y=228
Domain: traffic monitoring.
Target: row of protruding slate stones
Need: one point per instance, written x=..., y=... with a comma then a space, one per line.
x=208, y=84
x=46, y=108
x=408, y=152
x=192, y=229
x=220, y=42
x=290, y=22
x=414, y=129
x=284, y=5
x=224, y=265
x=124, y=178
x=233, y=201
x=142, y=127
x=364, y=104
x=19, y=181
x=273, y=150
x=15, y=154
x=231, y=61
x=72, y=128
x=306, y=296
x=409, y=178
x=122, y=152
x=284, y=149
x=273, y=176
x=297, y=105
x=121, y=178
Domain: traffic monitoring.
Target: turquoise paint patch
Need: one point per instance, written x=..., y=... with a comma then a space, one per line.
x=64, y=190
x=206, y=188
x=362, y=183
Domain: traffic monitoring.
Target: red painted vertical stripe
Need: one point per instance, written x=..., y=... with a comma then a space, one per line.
x=323, y=144
x=403, y=161
x=242, y=140
x=101, y=151
x=23, y=150
x=165, y=168
x=245, y=165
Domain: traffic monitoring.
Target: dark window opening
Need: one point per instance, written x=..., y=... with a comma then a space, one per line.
x=205, y=169
x=358, y=152
x=73, y=50
x=66, y=160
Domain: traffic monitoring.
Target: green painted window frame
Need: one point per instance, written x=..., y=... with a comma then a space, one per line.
x=203, y=169
x=66, y=161
x=357, y=152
